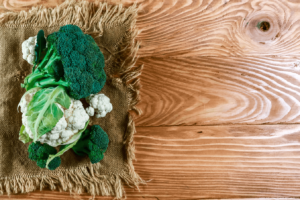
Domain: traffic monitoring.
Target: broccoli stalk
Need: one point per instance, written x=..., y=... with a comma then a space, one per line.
x=50, y=58
x=48, y=72
x=93, y=142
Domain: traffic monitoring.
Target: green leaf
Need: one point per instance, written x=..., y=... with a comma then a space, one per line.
x=43, y=112
x=65, y=148
x=39, y=47
x=23, y=135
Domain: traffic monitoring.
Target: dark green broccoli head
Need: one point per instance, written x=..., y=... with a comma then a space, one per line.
x=32, y=150
x=41, y=163
x=82, y=60
x=40, y=152
x=55, y=163
x=44, y=151
x=99, y=137
x=73, y=60
x=93, y=142
x=95, y=156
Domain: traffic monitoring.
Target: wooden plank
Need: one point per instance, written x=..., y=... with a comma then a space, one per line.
x=219, y=161
x=219, y=90
x=208, y=27
x=219, y=28
x=213, y=162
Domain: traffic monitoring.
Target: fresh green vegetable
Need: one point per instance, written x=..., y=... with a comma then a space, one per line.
x=64, y=148
x=54, y=163
x=93, y=142
x=73, y=60
x=23, y=136
x=43, y=112
x=40, y=47
x=39, y=153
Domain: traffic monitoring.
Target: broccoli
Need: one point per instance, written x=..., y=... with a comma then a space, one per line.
x=39, y=153
x=54, y=163
x=93, y=142
x=72, y=60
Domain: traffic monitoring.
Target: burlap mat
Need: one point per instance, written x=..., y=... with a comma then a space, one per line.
x=113, y=28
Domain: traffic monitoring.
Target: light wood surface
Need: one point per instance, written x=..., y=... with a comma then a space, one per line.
x=219, y=90
x=219, y=27
x=220, y=99
x=192, y=162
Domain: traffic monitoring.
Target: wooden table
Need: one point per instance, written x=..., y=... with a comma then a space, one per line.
x=220, y=99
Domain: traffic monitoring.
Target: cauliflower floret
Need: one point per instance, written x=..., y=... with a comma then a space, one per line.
x=53, y=136
x=28, y=47
x=66, y=134
x=99, y=105
x=90, y=111
x=76, y=116
x=74, y=119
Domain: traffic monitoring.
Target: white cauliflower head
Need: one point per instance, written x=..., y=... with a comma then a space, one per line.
x=74, y=120
x=99, y=105
x=28, y=47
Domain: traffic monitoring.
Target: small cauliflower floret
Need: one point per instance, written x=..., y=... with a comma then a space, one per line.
x=74, y=119
x=76, y=116
x=43, y=137
x=54, y=136
x=99, y=105
x=28, y=47
x=90, y=111
x=66, y=134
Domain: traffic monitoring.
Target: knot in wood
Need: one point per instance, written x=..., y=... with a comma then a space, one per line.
x=263, y=26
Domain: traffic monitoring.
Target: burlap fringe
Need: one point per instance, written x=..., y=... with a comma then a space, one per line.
x=91, y=18
x=76, y=181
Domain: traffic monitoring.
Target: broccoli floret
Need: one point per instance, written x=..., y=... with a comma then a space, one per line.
x=93, y=142
x=72, y=60
x=54, y=163
x=41, y=163
x=32, y=150
x=44, y=151
x=39, y=153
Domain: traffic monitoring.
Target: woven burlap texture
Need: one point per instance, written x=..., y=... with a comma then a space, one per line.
x=113, y=28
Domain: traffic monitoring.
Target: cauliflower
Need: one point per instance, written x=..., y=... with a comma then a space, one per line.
x=28, y=49
x=99, y=105
x=74, y=120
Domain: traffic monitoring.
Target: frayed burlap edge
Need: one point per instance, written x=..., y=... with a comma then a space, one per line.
x=90, y=20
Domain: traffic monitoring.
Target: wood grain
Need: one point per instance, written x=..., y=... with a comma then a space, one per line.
x=219, y=90
x=213, y=162
x=219, y=28
x=220, y=161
